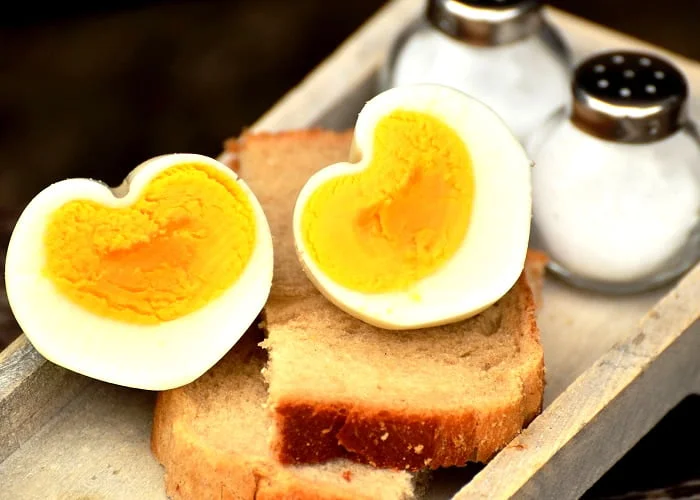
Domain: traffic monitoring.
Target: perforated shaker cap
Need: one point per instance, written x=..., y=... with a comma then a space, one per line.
x=486, y=22
x=630, y=97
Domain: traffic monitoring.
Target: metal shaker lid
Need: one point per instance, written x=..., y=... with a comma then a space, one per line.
x=486, y=22
x=630, y=97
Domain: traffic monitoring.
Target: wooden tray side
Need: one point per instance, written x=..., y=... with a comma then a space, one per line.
x=32, y=390
x=606, y=410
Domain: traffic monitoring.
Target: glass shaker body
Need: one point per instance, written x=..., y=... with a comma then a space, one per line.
x=616, y=216
x=525, y=81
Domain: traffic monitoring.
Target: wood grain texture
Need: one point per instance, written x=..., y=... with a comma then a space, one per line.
x=609, y=379
x=605, y=411
x=96, y=448
x=32, y=390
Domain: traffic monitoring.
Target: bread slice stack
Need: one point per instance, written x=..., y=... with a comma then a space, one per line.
x=345, y=410
x=211, y=436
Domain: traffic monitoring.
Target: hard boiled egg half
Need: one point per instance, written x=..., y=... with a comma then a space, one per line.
x=429, y=222
x=146, y=285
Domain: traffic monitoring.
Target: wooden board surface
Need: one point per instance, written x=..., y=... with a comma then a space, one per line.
x=64, y=436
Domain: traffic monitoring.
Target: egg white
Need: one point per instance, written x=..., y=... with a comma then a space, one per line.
x=492, y=256
x=154, y=357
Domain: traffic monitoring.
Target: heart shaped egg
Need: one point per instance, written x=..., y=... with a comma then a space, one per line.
x=430, y=222
x=146, y=285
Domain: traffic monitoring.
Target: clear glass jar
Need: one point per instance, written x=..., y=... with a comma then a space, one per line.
x=616, y=181
x=503, y=53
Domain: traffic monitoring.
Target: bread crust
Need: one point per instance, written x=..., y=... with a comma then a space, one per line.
x=189, y=441
x=196, y=470
x=193, y=468
x=313, y=432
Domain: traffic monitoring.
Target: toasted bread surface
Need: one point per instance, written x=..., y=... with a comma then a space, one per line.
x=407, y=400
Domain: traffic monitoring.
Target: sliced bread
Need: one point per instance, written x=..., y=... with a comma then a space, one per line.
x=211, y=437
x=341, y=388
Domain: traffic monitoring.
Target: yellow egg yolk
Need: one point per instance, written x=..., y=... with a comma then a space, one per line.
x=400, y=219
x=185, y=240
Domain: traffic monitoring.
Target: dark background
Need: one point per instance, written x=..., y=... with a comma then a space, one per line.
x=93, y=90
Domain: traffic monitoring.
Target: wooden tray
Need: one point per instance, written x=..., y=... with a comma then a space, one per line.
x=615, y=366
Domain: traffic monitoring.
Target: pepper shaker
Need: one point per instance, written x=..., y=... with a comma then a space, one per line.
x=502, y=52
x=616, y=181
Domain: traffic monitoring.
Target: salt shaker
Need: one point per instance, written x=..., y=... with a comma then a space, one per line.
x=616, y=181
x=502, y=52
